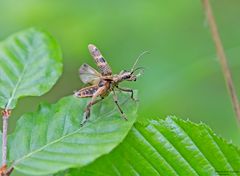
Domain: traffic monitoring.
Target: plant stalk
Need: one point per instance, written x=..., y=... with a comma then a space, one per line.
x=222, y=57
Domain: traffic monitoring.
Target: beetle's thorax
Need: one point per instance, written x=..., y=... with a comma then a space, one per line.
x=117, y=78
x=121, y=77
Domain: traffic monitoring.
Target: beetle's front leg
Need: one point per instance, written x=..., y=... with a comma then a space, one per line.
x=127, y=90
x=119, y=108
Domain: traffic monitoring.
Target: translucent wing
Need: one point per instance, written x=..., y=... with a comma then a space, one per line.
x=101, y=62
x=89, y=74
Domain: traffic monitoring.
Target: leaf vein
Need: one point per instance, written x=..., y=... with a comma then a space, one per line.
x=158, y=152
x=177, y=150
x=59, y=139
x=224, y=155
x=193, y=141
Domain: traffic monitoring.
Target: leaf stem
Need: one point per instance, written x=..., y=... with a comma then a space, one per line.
x=222, y=57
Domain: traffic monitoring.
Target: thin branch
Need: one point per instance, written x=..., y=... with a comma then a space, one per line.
x=4, y=171
x=222, y=58
x=6, y=113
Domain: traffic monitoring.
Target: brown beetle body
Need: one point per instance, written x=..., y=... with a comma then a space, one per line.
x=102, y=83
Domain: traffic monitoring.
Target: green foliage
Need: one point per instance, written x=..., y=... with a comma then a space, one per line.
x=51, y=139
x=30, y=64
x=167, y=147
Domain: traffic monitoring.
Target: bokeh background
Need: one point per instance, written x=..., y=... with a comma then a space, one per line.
x=182, y=74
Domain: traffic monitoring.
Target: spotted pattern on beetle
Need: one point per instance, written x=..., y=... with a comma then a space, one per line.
x=101, y=62
x=86, y=92
x=104, y=83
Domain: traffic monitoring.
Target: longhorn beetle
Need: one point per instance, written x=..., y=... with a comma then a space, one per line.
x=104, y=82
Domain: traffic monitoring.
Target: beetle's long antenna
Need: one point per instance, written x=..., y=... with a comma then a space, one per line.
x=135, y=63
x=141, y=71
x=138, y=68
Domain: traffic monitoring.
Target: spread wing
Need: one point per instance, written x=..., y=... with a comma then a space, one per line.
x=89, y=75
x=101, y=62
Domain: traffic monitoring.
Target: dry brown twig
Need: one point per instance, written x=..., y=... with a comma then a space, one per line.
x=222, y=57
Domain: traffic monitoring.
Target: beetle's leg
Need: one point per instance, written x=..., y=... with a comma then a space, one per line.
x=88, y=110
x=128, y=90
x=115, y=98
x=93, y=101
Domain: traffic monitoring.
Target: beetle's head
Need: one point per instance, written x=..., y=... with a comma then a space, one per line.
x=131, y=75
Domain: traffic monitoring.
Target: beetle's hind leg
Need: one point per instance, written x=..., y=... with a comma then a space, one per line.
x=93, y=101
x=127, y=90
x=88, y=110
x=115, y=98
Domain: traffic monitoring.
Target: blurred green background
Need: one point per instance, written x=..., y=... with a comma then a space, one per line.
x=182, y=75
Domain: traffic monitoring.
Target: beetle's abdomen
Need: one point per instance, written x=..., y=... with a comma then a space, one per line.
x=87, y=91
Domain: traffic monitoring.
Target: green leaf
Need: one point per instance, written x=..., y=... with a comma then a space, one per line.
x=51, y=139
x=167, y=147
x=30, y=64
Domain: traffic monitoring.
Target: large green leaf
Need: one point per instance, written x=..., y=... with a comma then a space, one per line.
x=51, y=139
x=30, y=64
x=168, y=147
